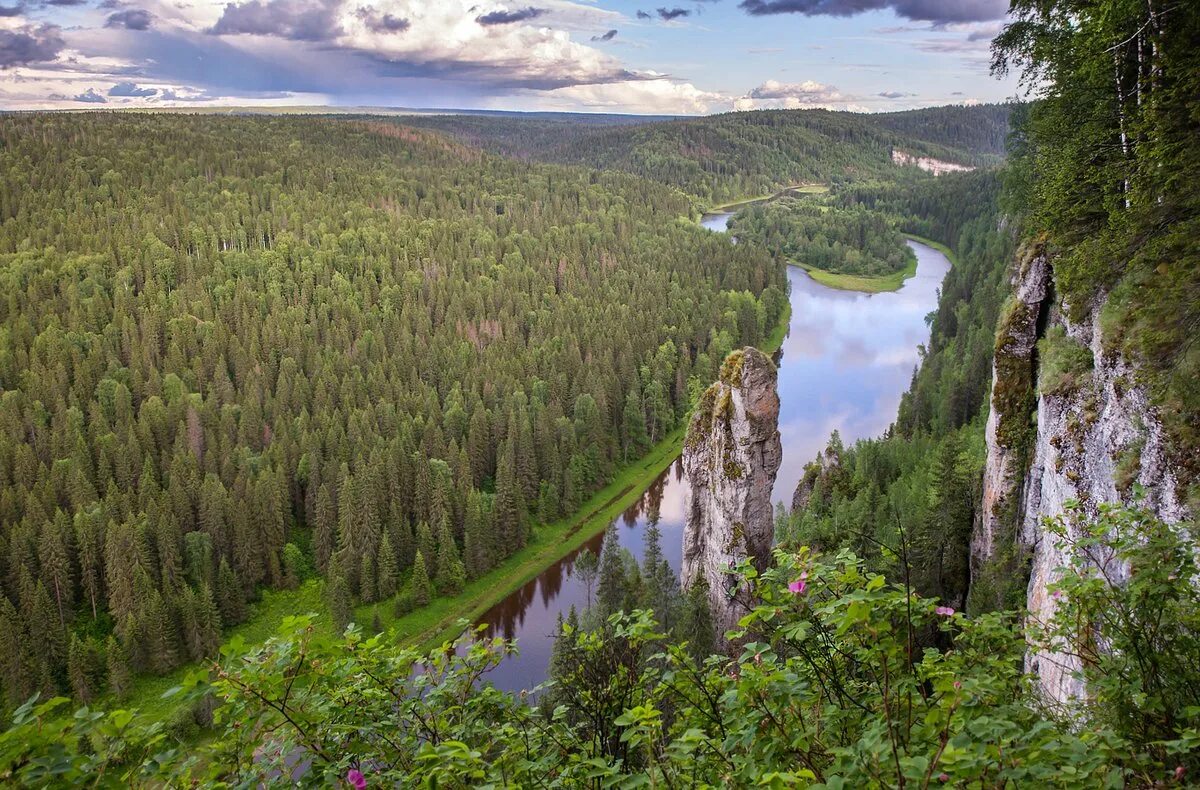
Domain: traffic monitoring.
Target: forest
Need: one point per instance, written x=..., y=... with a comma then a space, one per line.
x=348, y=349
x=385, y=356
x=738, y=155
x=854, y=240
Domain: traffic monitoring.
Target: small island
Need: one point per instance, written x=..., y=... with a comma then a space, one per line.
x=852, y=248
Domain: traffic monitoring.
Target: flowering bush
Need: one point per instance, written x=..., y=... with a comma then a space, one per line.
x=842, y=680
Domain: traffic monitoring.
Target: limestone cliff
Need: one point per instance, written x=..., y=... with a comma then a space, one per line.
x=1068, y=421
x=731, y=454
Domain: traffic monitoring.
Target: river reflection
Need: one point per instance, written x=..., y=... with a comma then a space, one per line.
x=846, y=361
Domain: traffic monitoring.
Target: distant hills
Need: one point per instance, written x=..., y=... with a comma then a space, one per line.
x=733, y=155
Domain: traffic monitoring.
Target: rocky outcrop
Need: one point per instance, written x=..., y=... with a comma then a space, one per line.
x=731, y=455
x=928, y=163
x=1068, y=421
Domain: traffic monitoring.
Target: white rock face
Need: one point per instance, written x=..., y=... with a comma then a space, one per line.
x=1003, y=470
x=1085, y=440
x=731, y=455
x=928, y=163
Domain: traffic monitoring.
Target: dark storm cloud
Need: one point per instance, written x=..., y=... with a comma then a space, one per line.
x=11, y=10
x=298, y=20
x=936, y=11
x=90, y=97
x=508, y=17
x=667, y=14
x=65, y=2
x=133, y=19
x=609, y=36
x=29, y=44
x=382, y=23
x=644, y=15
x=131, y=90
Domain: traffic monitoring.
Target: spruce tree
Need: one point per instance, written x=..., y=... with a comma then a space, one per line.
x=388, y=570
x=118, y=662
x=341, y=602
x=451, y=576
x=611, y=593
x=696, y=622
x=421, y=592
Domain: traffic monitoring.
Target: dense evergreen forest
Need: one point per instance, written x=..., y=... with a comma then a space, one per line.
x=855, y=240
x=356, y=349
x=732, y=156
x=239, y=351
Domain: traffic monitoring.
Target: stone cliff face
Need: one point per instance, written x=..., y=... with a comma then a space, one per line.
x=1068, y=421
x=928, y=163
x=731, y=455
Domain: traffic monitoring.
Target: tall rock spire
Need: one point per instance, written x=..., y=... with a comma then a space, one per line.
x=731, y=454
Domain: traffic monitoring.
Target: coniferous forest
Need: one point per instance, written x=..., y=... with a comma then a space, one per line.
x=379, y=356
x=348, y=349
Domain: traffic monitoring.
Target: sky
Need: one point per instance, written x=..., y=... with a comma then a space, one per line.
x=678, y=57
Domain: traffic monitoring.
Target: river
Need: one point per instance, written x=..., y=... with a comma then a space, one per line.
x=846, y=361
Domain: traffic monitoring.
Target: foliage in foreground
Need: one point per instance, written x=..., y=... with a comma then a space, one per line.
x=844, y=680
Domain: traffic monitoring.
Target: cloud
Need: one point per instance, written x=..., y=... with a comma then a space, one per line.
x=298, y=20
x=382, y=23
x=809, y=94
x=90, y=97
x=895, y=94
x=11, y=10
x=503, y=17
x=174, y=96
x=609, y=36
x=669, y=14
x=65, y=2
x=131, y=90
x=661, y=96
x=923, y=10
x=29, y=44
x=644, y=15
x=132, y=19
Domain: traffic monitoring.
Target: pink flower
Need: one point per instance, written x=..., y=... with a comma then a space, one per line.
x=958, y=684
x=797, y=587
x=356, y=779
x=1179, y=773
x=1057, y=594
x=945, y=611
x=943, y=777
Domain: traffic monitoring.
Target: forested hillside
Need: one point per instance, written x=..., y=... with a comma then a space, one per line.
x=240, y=351
x=731, y=156
x=844, y=240
x=980, y=129
x=911, y=496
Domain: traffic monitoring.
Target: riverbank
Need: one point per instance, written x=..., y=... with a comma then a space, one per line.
x=874, y=285
x=439, y=621
x=801, y=189
x=432, y=625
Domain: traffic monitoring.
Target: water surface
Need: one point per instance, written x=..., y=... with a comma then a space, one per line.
x=846, y=361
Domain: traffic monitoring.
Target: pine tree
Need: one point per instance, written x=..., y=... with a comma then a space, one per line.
x=368, y=583
x=341, y=602
x=420, y=581
x=587, y=565
x=633, y=423
x=509, y=506
x=611, y=594
x=230, y=602
x=119, y=666
x=79, y=670
x=451, y=575
x=388, y=570
x=696, y=622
